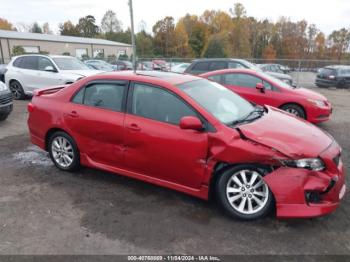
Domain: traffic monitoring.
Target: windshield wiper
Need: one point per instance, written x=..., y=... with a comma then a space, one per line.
x=256, y=113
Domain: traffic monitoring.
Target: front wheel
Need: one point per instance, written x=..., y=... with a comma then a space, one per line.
x=243, y=193
x=64, y=152
x=3, y=117
x=294, y=110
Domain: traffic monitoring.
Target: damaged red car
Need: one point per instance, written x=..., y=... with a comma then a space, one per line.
x=192, y=135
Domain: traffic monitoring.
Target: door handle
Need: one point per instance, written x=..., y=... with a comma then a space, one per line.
x=134, y=127
x=73, y=114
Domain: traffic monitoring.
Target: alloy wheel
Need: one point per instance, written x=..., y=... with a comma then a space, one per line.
x=62, y=151
x=16, y=90
x=292, y=111
x=247, y=192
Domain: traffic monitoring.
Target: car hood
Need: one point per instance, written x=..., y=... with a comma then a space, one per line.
x=82, y=72
x=287, y=134
x=307, y=93
x=279, y=75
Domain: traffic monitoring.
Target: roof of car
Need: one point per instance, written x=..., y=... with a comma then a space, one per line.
x=337, y=66
x=217, y=59
x=170, y=77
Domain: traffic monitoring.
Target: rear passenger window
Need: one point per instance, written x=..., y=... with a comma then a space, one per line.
x=215, y=78
x=201, y=67
x=217, y=65
x=157, y=104
x=235, y=65
x=17, y=62
x=102, y=95
x=30, y=62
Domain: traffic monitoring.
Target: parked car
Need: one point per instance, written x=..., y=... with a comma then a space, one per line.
x=192, y=135
x=277, y=68
x=179, y=68
x=6, y=104
x=262, y=89
x=101, y=65
x=26, y=73
x=123, y=65
x=333, y=76
x=201, y=66
x=3, y=69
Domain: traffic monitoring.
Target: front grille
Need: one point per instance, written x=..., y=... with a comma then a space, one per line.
x=336, y=160
x=5, y=99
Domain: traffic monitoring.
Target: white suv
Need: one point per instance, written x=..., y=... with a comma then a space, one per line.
x=26, y=73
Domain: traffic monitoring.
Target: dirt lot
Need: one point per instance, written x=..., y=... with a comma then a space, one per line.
x=45, y=211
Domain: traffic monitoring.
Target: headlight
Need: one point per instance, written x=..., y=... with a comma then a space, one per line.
x=3, y=87
x=318, y=103
x=315, y=164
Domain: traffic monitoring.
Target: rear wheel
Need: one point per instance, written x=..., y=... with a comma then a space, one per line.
x=64, y=152
x=294, y=110
x=17, y=90
x=243, y=193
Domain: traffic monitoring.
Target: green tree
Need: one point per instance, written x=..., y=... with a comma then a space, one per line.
x=216, y=47
x=36, y=28
x=87, y=26
x=164, y=37
x=18, y=50
x=144, y=44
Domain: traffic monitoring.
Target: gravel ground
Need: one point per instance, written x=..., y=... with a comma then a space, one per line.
x=46, y=211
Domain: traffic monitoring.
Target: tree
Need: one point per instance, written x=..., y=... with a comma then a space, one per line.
x=36, y=28
x=6, y=25
x=238, y=11
x=216, y=47
x=68, y=28
x=123, y=36
x=340, y=40
x=164, y=37
x=46, y=28
x=110, y=23
x=144, y=44
x=18, y=50
x=269, y=52
x=87, y=26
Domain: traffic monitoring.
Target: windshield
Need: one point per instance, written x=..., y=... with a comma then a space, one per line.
x=70, y=63
x=101, y=65
x=224, y=104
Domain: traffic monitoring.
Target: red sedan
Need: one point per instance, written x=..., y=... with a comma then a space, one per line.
x=192, y=135
x=264, y=89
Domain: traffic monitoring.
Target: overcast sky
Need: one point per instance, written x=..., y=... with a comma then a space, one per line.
x=327, y=15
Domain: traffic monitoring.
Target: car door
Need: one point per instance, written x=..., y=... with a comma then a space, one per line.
x=245, y=85
x=27, y=72
x=47, y=78
x=155, y=144
x=95, y=117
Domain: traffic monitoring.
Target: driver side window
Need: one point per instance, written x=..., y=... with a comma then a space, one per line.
x=157, y=104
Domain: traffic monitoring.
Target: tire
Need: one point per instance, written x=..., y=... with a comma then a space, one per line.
x=17, y=90
x=294, y=110
x=3, y=117
x=231, y=191
x=341, y=83
x=64, y=152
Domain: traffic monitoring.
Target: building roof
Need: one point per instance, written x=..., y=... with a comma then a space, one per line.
x=58, y=38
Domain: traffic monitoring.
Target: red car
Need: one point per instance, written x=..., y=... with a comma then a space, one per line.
x=192, y=135
x=264, y=89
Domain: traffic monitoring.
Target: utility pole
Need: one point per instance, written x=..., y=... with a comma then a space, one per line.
x=132, y=37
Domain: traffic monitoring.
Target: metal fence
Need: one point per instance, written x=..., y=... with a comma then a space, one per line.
x=303, y=71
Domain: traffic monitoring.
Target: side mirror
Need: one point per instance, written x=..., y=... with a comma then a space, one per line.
x=50, y=69
x=191, y=122
x=260, y=87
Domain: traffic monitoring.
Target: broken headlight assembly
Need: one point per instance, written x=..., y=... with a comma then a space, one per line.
x=315, y=164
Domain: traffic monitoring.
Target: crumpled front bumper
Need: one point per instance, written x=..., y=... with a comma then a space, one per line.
x=292, y=187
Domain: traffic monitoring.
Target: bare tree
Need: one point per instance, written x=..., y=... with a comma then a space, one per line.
x=110, y=23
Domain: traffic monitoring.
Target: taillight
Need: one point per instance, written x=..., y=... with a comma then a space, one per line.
x=30, y=107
